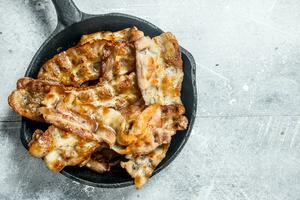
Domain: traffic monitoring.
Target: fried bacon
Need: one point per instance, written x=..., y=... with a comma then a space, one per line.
x=89, y=123
x=59, y=148
x=78, y=110
x=101, y=112
x=77, y=64
x=103, y=54
x=131, y=112
x=159, y=69
x=31, y=94
x=121, y=61
x=117, y=93
x=153, y=127
x=28, y=97
x=125, y=35
x=141, y=167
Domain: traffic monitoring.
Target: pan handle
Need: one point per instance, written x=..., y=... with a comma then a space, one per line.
x=67, y=12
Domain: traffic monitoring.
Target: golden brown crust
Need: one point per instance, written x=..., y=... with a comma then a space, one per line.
x=92, y=123
x=76, y=109
x=170, y=49
x=117, y=93
x=132, y=111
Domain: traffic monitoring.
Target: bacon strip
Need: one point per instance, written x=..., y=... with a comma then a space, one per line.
x=77, y=64
x=141, y=167
x=31, y=94
x=125, y=35
x=159, y=69
x=153, y=127
x=59, y=148
x=28, y=97
x=103, y=54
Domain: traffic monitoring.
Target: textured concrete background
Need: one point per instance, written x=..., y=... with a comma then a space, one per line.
x=245, y=143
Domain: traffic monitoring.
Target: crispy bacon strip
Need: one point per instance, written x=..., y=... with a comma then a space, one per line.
x=128, y=34
x=77, y=64
x=153, y=127
x=69, y=121
x=85, y=120
x=117, y=93
x=122, y=59
x=28, y=97
x=59, y=148
x=103, y=54
x=78, y=110
x=159, y=69
x=31, y=94
x=141, y=167
x=89, y=124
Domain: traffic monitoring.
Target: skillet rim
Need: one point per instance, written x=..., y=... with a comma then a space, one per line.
x=59, y=28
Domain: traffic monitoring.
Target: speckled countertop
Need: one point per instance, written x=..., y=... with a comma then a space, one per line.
x=245, y=143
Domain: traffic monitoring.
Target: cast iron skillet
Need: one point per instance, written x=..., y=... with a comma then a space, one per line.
x=72, y=24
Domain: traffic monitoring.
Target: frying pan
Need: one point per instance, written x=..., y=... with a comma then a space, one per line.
x=72, y=24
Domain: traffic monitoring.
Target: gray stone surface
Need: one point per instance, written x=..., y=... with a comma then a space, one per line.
x=245, y=143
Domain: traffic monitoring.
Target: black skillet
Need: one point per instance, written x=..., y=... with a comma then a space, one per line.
x=72, y=24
